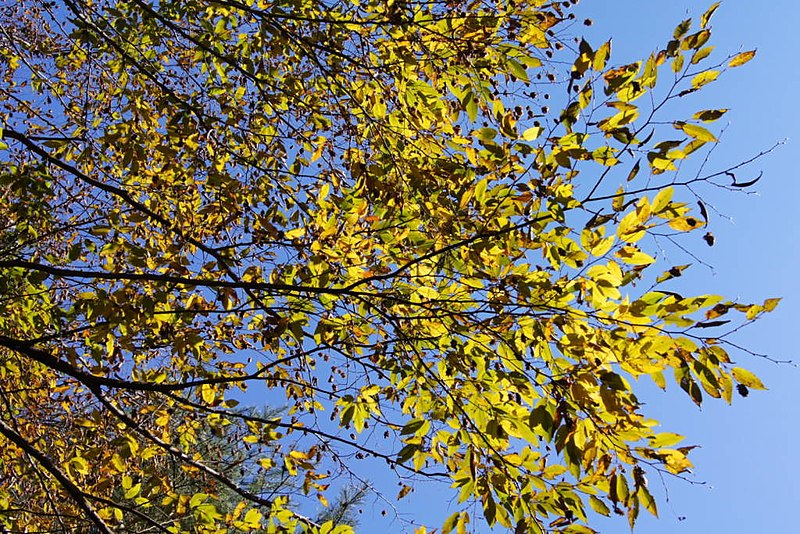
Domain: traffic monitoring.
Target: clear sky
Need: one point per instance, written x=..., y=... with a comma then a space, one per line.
x=748, y=458
x=747, y=476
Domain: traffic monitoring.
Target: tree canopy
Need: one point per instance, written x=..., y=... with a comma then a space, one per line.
x=441, y=234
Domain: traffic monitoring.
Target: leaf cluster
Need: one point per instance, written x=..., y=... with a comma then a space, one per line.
x=365, y=211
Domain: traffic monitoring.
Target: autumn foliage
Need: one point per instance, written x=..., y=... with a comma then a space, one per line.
x=366, y=212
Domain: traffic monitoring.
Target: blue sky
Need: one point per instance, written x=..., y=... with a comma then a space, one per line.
x=747, y=460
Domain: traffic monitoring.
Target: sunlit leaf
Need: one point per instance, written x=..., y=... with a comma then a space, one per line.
x=747, y=378
x=742, y=58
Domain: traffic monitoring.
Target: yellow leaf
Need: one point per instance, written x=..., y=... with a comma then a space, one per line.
x=675, y=461
x=706, y=17
x=603, y=246
x=266, y=463
x=663, y=164
x=643, y=210
x=599, y=506
x=647, y=500
x=379, y=110
x=403, y=492
x=87, y=423
x=661, y=200
x=324, y=191
x=771, y=304
x=601, y=56
x=428, y=293
x=80, y=465
x=633, y=256
x=685, y=224
x=618, y=202
x=665, y=439
x=704, y=78
x=741, y=59
x=745, y=377
x=532, y=133
x=253, y=518
x=207, y=393
x=695, y=131
x=450, y=523
x=295, y=233
x=701, y=54
x=133, y=491
x=677, y=63
x=630, y=228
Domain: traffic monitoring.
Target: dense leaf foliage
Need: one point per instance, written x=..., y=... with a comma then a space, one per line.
x=364, y=210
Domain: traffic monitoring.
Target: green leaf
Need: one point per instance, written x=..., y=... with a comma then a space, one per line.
x=682, y=28
x=470, y=103
x=692, y=389
x=517, y=69
x=486, y=134
x=489, y=509
x=621, y=486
